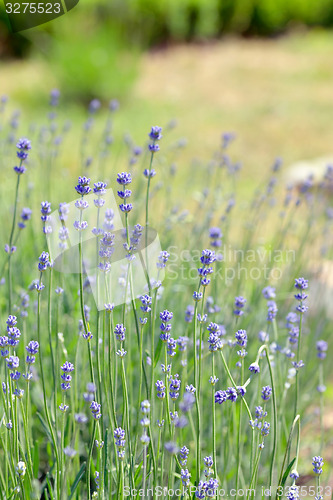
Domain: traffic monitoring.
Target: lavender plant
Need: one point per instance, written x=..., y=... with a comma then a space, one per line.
x=197, y=383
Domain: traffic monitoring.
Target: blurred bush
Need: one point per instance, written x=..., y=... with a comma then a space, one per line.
x=151, y=22
x=11, y=44
x=93, y=50
x=91, y=56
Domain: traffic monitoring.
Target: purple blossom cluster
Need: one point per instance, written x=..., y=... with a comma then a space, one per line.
x=124, y=179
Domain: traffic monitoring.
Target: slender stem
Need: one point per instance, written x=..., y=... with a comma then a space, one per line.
x=274, y=418
x=144, y=466
x=321, y=397
x=296, y=420
x=62, y=446
x=247, y=409
x=26, y=435
x=51, y=349
x=254, y=474
x=85, y=325
x=298, y=359
x=10, y=245
x=126, y=420
x=196, y=383
x=147, y=223
x=91, y=447
x=168, y=418
x=111, y=381
x=41, y=364
x=239, y=434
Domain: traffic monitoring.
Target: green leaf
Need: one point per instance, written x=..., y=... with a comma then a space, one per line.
x=45, y=426
x=49, y=487
x=105, y=457
x=157, y=352
x=286, y=474
x=35, y=454
x=77, y=480
x=137, y=473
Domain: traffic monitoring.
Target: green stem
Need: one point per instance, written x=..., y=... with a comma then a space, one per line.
x=239, y=434
x=298, y=359
x=213, y=418
x=147, y=223
x=41, y=364
x=126, y=421
x=10, y=245
x=296, y=420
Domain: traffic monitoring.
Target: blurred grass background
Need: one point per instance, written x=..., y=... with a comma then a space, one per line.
x=261, y=68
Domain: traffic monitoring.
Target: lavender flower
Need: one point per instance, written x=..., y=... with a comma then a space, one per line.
x=265, y=429
x=171, y=347
x=254, y=367
x=82, y=187
x=174, y=386
x=322, y=347
x=197, y=296
x=44, y=262
x=239, y=304
x=146, y=301
x=81, y=418
x=162, y=259
x=32, y=349
x=25, y=216
x=269, y=292
x=207, y=257
x=190, y=388
x=293, y=493
x=241, y=338
x=171, y=447
x=120, y=332
x=12, y=362
x=45, y=210
x=13, y=332
x=124, y=178
x=266, y=393
x=66, y=368
x=189, y=313
x=54, y=97
x=187, y=402
x=154, y=135
x=231, y=394
x=185, y=477
x=160, y=387
x=95, y=410
x=183, y=455
x=4, y=343
x=301, y=284
x=94, y=106
x=215, y=234
x=119, y=439
x=23, y=146
x=20, y=469
x=317, y=463
x=294, y=474
x=69, y=452
x=214, y=342
x=272, y=310
x=165, y=327
x=221, y=397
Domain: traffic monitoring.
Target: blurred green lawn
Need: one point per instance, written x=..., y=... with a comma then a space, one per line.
x=275, y=94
